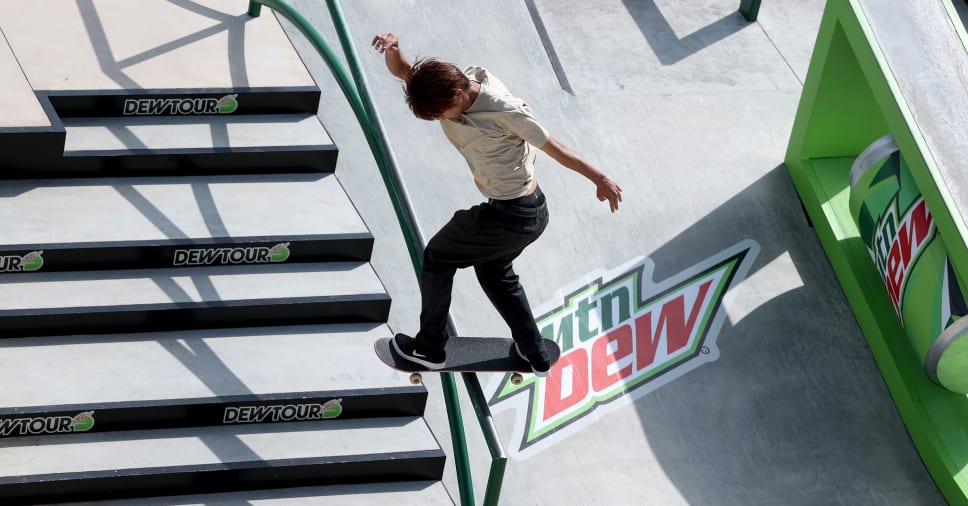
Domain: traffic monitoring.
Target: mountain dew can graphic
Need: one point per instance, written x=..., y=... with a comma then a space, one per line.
x=228, y=104
x=30, y=262
x=900, y=234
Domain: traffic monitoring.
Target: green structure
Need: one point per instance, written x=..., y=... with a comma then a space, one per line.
x=876, y=155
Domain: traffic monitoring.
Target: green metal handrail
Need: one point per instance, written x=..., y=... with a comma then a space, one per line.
x=358, y=97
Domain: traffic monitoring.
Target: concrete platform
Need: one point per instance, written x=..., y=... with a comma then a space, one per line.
x=689, y=109
x=20, y=105
x=123, y=45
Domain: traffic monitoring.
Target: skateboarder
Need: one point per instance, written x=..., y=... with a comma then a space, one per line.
x=497, y=135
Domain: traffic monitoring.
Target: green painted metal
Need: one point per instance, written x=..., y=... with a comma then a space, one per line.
x=356, y=92
x=749, y=9
x=255, y=9
x=850, y=98
x=499, y=459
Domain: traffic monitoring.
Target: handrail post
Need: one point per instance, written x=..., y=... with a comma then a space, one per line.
x=255, y=8
x=465, y=482
x=495, y=477
x=749, y=9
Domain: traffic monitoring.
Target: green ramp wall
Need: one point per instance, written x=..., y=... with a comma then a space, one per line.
x=895, y=68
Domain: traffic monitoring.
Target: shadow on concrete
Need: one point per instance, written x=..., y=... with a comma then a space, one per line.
x=794, y=411
x=198, y=358
x=549, y=47
x=115, y=69
x=669, y=48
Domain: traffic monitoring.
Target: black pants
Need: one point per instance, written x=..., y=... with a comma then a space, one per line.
x=488, y=237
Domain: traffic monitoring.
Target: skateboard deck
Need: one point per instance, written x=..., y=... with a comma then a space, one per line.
x=468, y=354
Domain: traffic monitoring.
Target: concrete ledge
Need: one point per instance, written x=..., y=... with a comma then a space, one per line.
x=18, y=102
x=150, y=134
x=152, y=222
x=931, y=87
x=369, y=494
x=206, y=297
x=215, y=459
x=189, y=368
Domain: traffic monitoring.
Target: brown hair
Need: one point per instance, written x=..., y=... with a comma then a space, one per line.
x=431, y=87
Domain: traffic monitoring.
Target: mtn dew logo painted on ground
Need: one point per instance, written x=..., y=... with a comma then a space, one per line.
x=898, y=229
x=30, y=262
x=181, y=106
x=227, y=256
x=33, y=426
x=621, y=336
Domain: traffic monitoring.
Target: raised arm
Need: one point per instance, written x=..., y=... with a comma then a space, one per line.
x=606, y=189
x=389, y=45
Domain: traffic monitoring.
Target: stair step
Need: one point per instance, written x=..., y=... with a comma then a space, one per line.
x=80, y=224
x=192, y=145
x=114, y=465
x=425, y=493
x=154, y=134
x=137, y=300
x=199, y=377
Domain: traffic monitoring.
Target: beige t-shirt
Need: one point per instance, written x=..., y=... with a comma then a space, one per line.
x=497, y=136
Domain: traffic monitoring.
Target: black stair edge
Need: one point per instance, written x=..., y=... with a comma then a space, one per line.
x=243, y=409
x=253, y=250
x=183, y=162
x=38, y=152
x=354, y=308
x=192, y=152
x=422, y=465
x=28, y=149
x=39, y=155
x=112, y=103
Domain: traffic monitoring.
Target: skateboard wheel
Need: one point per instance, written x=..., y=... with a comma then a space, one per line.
x=516, y=379
x=416, y=379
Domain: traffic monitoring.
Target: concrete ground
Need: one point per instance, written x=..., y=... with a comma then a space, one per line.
x=689, y=108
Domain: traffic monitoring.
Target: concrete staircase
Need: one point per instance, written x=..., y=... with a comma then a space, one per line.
x=188, y=312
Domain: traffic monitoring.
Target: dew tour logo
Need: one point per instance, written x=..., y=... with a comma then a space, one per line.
x=80, y=422
x=184, y=106
x=622, y=336
x=28, y=263
x=283, y=412
x=226, y=256
x=898, y=244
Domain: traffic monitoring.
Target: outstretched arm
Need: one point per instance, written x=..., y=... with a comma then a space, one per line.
x=389, y=45
x=606, y=189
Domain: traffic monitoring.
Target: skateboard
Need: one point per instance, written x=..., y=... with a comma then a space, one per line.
x=468, y=354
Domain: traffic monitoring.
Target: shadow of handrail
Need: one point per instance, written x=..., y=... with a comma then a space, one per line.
x=669, y=48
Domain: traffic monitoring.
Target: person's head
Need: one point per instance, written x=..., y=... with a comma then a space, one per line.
x=436, y=89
